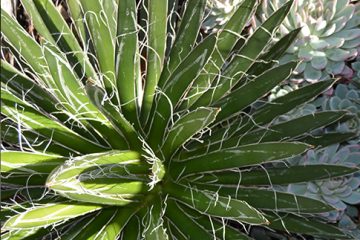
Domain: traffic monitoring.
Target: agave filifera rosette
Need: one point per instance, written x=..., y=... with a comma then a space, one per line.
x=101, y=139
x=329, y=37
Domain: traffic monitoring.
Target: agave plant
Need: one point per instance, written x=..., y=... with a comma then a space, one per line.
x=111, y=130
x=329, y=37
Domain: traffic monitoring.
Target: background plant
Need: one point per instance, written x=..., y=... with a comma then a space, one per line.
x=127, y=124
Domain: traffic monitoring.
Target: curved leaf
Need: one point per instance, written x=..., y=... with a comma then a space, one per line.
x=211, y=203
x=284, y=175
x=247, y=155
x=48, y=214
x=111, y=178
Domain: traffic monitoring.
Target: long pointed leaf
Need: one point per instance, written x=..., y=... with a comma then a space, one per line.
x=237, y=157
x=271, y=199
x=284, y=175
x=295, y=224
x=127, y=59
x=212, y=204
x=16, y=109
x=156, y=51
x=185, y=38
x=228, y=36
x=111, y=178
x=250, y=92
x=104, y=46
x=48, y=214
x=185, y=223
x=186, y=127
x=246, y=56
x=12, y=161
x=178, y=83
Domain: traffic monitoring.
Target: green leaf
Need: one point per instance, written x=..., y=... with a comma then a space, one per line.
x=25, y=179
x=25, y=45
x=284, y=104
x=38, y=22
x=185, y=38
x=295, y=224
x=213, y=226
x=17, y=82
x=270, y=199
x=103, y=43
x=127, y=59
x=19, y=234
x=244, y=58
x=185, y=223
x=271, y=57
x=16, y=109
x=186, y=127
x=106, y=224
x=45, y=215
x=242, y=156
x=173, y=231
x=253, y=90
x=286, y=130
x=155, y=51
x=77, y=16
x=178, y=82
x=270, y=176
x=153, y=220
x=211, y=203
x=50, y=21
x=227, y=38
x=126, y=133
x=269, y=111
x=132, y=229
x=26, y=139
x=111, y=11
x=39, y=96
x=22, y=162
x=328, y=139
x=111, y=178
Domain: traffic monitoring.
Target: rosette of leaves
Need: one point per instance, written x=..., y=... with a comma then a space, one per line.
x=337, y=192
x=218, y=12
x=329, y=37
x=102, y=141
x=282, y=90
x=344, y=97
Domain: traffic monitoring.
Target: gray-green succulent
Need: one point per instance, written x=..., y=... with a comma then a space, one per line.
x=103, y=137
x=330, y=36
x=218, y=12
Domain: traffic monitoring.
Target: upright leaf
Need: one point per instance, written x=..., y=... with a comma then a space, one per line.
x=244, y=58
x=186, y=127
x=155, y=51
x=176, y=86
x=237, y=157
x=127, y=59
x=227, y=39
x=185, y=37
x=211, y=203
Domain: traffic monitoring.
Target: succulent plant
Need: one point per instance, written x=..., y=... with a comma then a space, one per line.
x=282, y=90
x=335, y=191
x=344, y=97
x=330, y=36
x=96, y=143
x=355, y=66
x=218, y=12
